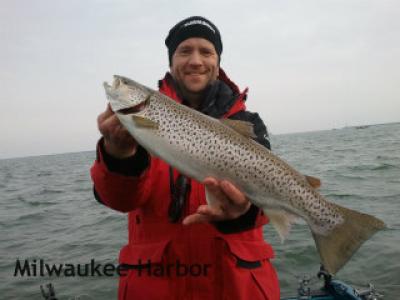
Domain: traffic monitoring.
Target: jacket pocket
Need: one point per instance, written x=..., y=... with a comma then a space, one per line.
x=250, y=250
x=266, y=279
x=143, y=253
x=143, y=273
x=247, y=271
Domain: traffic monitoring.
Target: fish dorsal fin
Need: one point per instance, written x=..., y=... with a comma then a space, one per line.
x=243, y=127
x=144, y=122
x=282, y=221
x=313, y=181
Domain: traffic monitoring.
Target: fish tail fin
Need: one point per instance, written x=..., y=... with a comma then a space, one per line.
x=338, y=246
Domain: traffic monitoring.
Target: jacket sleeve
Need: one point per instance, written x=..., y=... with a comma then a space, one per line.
x=260, y=130
x=122, y=185
x=255, y=216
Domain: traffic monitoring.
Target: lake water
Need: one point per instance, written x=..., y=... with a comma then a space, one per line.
x=48, y=214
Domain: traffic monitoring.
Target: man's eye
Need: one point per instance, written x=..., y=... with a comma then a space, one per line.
x=184, y=51
x=206, y=52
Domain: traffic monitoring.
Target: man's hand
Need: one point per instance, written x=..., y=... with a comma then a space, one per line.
x=117, y=140
x=230, y=203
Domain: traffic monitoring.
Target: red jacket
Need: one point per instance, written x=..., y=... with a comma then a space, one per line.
x=217, y=265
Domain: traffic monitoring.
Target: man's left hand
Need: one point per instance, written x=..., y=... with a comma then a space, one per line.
x=229, y=203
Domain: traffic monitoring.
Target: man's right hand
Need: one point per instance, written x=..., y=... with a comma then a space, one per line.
x=117, y=140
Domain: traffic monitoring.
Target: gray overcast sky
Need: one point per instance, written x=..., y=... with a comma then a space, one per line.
x=310, y=65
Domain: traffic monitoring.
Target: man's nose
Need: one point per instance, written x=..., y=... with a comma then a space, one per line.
x=195, y=59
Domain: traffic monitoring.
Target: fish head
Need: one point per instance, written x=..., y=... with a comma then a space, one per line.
x=126, y=95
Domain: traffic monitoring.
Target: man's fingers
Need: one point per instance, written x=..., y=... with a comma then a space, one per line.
x=196, y=219
x=110, y=125
x=226, y=192
x=210, y=181
x=214, y=212
x=233, y=193
x=227, y=197
x=106, y=114
x=228, y=203
x=205, y=213
x=214, y=188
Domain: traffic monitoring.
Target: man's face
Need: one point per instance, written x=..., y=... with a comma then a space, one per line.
x=195, y=64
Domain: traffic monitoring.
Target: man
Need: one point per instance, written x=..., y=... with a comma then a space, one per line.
x=179, y=247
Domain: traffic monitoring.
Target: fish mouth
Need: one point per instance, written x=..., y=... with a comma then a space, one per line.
x=135, y=109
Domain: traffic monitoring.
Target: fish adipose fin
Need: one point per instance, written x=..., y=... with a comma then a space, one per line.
x=282, y=221
x=243, y=127
x=313, y=181
x=144, y=122
x=338, y=246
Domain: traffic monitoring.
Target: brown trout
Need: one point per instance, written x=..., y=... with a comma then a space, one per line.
x=200, y=146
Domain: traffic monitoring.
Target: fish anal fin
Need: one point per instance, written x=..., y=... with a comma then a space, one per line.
x=144, y=122
x=338, y=245
x=313, y=181
x=243, y=127
x=282, y=221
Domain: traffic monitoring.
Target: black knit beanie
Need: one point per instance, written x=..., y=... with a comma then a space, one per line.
x=193, y=27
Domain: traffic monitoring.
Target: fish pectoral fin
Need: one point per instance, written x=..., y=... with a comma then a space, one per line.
x=282, y=221
x=144, y=122
x=243, y=127
x=210, y=197
x=313, y=181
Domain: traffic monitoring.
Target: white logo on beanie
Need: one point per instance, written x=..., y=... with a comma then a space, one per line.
x=200, y=22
